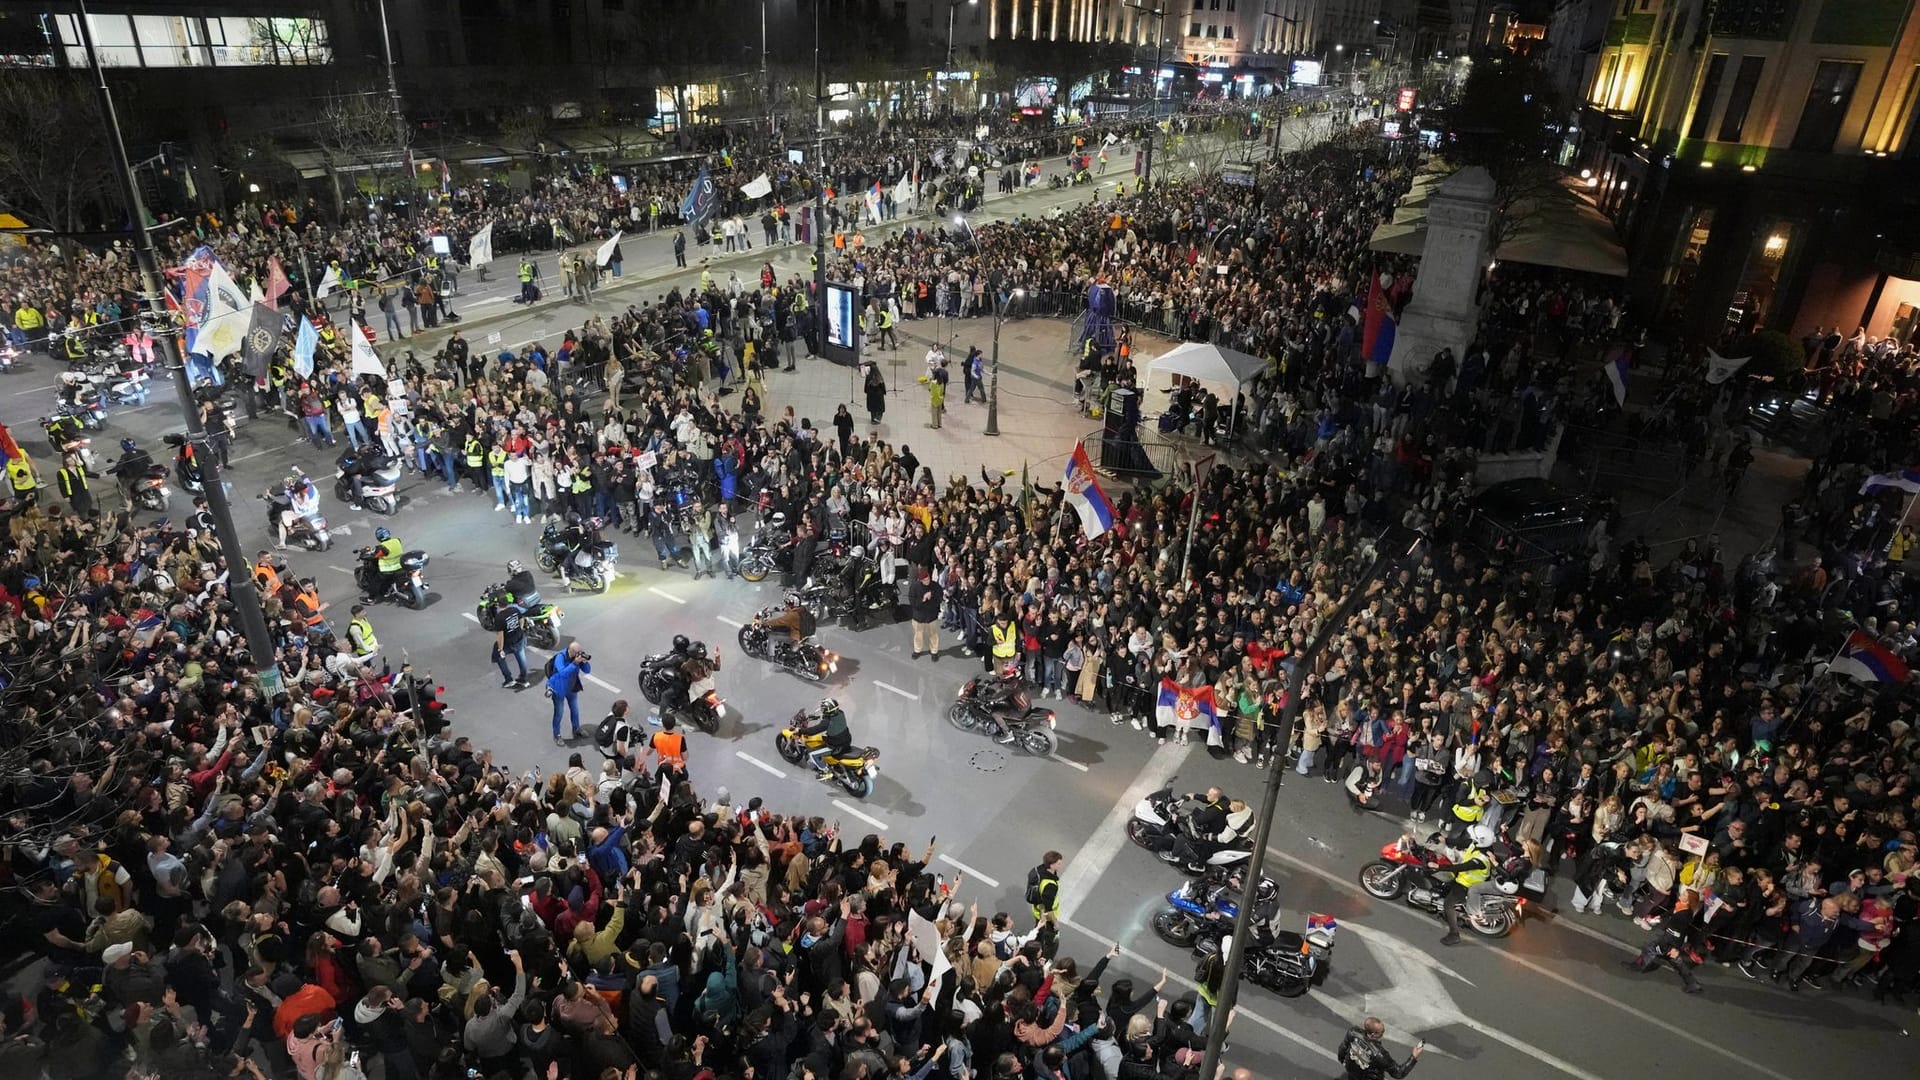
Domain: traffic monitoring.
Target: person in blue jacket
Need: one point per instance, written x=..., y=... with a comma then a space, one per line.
x=563, y=686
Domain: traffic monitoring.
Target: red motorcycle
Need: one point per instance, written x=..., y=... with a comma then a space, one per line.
x=1423, y=875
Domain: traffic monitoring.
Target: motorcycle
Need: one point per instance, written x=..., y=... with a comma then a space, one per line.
x=8, y=356
x=852, y=605
x=1201, y=906
x=120, y=382
x=589, y=564
x=853, y=769
x=542, y=624
x=704, y=706
x=1032, y=725
x=377, y=483
x=1409, y=870
x=309, y=532
x=771, y=549
x=407, y=586
x=63, y=436
x=805, y=658
x=1156, y=826
x=149, y=492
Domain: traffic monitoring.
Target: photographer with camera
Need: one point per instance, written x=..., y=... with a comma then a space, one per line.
x=564, y=673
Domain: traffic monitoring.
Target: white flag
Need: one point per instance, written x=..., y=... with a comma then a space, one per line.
x=224, y=323
x=605, y=254
x=480, y=248
x=329, y=281
x=903, y=191
x=758, y=188
x=365, y=360
x=1721, y=368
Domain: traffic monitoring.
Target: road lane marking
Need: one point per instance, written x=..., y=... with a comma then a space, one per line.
x=657, y=591
x=35, y=390
x=969, y=871
x=349, y=573
x=735, y=623
x=601, y=683
x=1093, y=858
x=1510, y=957
x=896, y=690
x=861, y=814
x=269, y=450
x=1069, y=761
x=1298, y=1040
x=758, y=764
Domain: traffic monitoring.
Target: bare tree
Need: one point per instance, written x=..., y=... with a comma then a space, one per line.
x=54, y=163
x=353, y=131
x=290, y=41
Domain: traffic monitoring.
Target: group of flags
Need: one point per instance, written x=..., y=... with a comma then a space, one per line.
x=221, y=318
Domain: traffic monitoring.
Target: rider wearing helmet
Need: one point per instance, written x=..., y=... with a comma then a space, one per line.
x=521, y=586
x=389, y=549
x=133, y=464
x=303, y=501
x=1472, y=874
x=830, y=723
x=795, y=619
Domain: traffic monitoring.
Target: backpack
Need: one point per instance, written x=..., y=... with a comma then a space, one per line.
x=551, y=666
x=607, y=734
x=808, y=624
x=1034, y=894
x=1003, y=949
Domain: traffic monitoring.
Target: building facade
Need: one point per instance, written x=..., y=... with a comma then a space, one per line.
x=1219, y=33
x=1759, y=159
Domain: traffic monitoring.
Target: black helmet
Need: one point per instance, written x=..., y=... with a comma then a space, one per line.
x=680, y=643
x=699, y=650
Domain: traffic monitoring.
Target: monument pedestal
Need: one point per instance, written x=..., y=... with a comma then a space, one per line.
x=1445, y=312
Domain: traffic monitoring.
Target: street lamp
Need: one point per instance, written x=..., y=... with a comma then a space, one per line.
x=1392, y=548
x=1159, y=16
x=993, y=374
x=952, y=6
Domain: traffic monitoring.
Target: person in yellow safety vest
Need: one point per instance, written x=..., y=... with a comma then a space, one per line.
x=26, y=486
x=28, y=319
x=473, y=456
x=497, y=472
x=388, y=553
x=526, y=281
x=73, y=345
x=813, y=262
x=1468, y=811
x=887, y=340
x=73, y=487
x=1006, y=641
x=360, y=634
x=1472, y=874
x=706, y=280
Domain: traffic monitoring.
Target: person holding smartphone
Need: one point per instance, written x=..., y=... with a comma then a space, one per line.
x=1365, y=1055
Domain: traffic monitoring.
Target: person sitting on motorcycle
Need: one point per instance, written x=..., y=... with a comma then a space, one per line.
x=831, y=725
x=388, y=550
x=132, y=466
x=186, y=466
x=1473, y=880
x=522, y=590
x=303, y=501
x=997, y=695
x=355, y=465
x=1205, y=815
x=795, y=619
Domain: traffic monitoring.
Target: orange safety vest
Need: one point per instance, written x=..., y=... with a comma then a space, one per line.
x=672, y=748
x=308, y=602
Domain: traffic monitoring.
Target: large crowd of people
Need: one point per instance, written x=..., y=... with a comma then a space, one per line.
x=301, y=883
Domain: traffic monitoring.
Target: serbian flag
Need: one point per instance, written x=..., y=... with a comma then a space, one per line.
x=1083, y=491
x=1907, y=480
x=1867, y=660
x=1379, y=328
x=1188, y=707
x=1322, y=922
x=1617, y=372
x=8, y=448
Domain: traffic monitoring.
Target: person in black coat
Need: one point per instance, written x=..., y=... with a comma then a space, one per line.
x=1669, y=944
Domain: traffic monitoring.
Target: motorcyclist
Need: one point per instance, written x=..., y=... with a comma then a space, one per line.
x=1211, y=819
x=132, y=466
x=356, y=464
x=522, y=589
x=794, y=618
x=186, y=467
x=303, y=501
x=578, y=534
x=831, y=724
x=1473, y=872
x=387, y=551
x=998, y=695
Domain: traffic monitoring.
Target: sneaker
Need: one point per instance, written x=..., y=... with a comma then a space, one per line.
x=497, y=507
x=1748, y=970
x=1240, y=756
x=934, y=656
x=506, y=684
x=1139, y=725
x=1114, y=718
x=557, y=742
x=1813, y=983
x=1005, y=738
x=1451, y=938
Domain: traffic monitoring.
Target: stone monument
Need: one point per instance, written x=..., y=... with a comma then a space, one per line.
x=1445, y=311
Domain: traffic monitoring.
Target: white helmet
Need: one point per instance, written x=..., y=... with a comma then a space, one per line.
x=1480, y=836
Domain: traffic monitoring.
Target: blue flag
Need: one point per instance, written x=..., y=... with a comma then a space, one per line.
x=304, y=342
x=698, y=206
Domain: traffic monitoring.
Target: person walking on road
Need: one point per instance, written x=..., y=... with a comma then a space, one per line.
x=1043, y=886
x=936, y=395
x=680, y=248
x=1365, y=1056
x=926, y=596
x=563, y=686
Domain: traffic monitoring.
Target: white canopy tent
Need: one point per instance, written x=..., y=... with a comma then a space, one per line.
x=1207, y=363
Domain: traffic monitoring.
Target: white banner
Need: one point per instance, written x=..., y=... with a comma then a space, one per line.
x=903, y=191
x=365, y=360
x=329, y=281
x=926, y=938
x=605, y=254
x=1721, y=368
x=480, y=248
x=758, y=188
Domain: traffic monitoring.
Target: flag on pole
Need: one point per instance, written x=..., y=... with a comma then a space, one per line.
x=8, y=447
x=1867, y=660
x=305, y=341
x=757, y=188
x=225, y=316
x=263, y=339
x=1907, y=480
x=1378, y=329
x=277, y=283
x=1083, y=491
x=1721, y=368
x=1617, y=373
x=699, y=204
x=605, y=254
x=329, y=281
x=1188, y=707
x=480, y=248
x=365, y=360
x=903, y=191
x=193, y=277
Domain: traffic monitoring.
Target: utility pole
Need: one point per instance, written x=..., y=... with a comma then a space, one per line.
x=1159, y=15
x=766, y=84
x=819, y=188
x=154, y=317
x=399, y=117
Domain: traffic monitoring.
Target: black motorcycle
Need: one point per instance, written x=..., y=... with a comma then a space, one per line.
x=805, y=658
x=851, y=594
x=408, y=586
x=659, y=676
x=1031, y=725
x=577, y=557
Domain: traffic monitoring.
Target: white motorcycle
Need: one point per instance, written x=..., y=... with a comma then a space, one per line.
x=1157, y=826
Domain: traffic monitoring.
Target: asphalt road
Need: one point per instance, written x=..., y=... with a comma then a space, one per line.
x=1552, y=1000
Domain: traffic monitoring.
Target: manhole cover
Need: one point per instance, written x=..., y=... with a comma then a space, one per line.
x=988, y=760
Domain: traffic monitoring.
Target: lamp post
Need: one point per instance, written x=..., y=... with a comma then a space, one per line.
x=766, y=85
x=1393, y=546
x=819, y=187
x=1159, y=16
x=993, y=372
x=393, y=96
x=240, y=586
x=952, y=6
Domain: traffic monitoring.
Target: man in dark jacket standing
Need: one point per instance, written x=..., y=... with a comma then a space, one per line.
x=926, y=597
x=1366, y=1058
